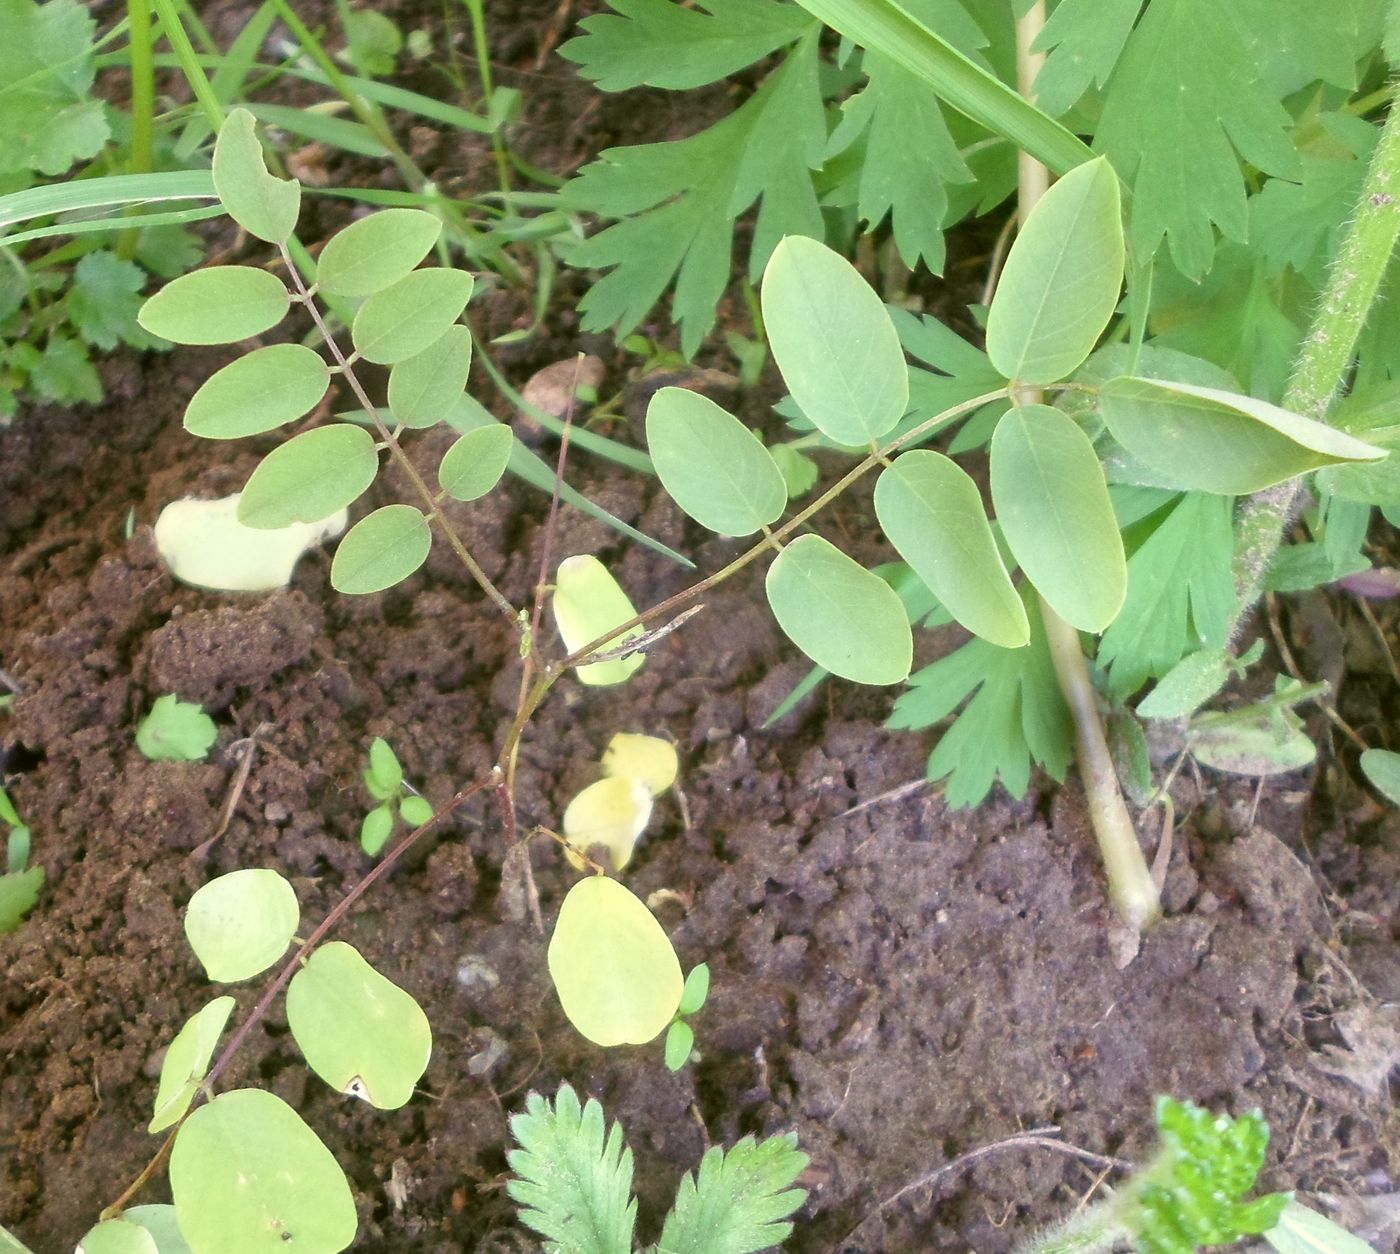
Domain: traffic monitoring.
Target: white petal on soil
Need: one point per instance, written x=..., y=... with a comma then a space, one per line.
x=204, y=544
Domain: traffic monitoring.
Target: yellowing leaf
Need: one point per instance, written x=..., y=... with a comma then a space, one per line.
x=587, y=602
x=646, y=758
x=612, y=813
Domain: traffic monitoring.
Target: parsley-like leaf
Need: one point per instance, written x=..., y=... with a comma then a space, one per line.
x=1084, y=39
x=677, y=204
x=1015, y=714
x=574, y=1187
x=1180, y=594
x=739, y=1202
x=104, y=300
x=64, y=374
x=47, y=119
x=645, y=42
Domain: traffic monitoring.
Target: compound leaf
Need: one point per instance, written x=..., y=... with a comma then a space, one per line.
x=186, y=1062
x=258, y=392
x=617, y=976
x=738, y=1201
x=309, y=477
x=380, y=550
x=931, y=511
x=833, y=340
x=574, y=1187
x=368, y=255
x=424, y=387
x=261, y=204
x=245, y=1167
x=360, y=1032
x=714, y=467
x=842, y=616
x=240, y=923
x=405, y=318
x=1062, y=279
x=1055, y=513
x=666, y=45
x=216, y=306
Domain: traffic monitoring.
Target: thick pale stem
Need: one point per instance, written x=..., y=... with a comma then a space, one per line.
x=1326, y=354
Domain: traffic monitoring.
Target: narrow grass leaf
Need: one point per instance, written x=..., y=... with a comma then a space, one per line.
x=834, y=342
x=1062, y=279
x=406, y=317
x=380, y=550
x=475, y=463
x=839, y=614
x=187, y=1061
x=360, y=1032
x=309, y=477
x=1217, y=441
x=247, y=1164
x=368, y=255
x=424, y=387
x=713, y=466
x=239, y=924
x=261, y=204
x=617, y=976
x=216, y=306
x=931, y=511
x=1054, y=510
x=258, y=392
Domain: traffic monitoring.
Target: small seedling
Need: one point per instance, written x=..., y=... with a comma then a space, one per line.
x=573, y=1183
x=385, y=781
x=20, y=885
x=176, y=731
x=680, y=1036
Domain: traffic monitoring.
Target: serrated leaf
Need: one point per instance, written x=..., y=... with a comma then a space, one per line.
x=187, y=1061
x=678, y=49
x=258, y=392
x=1055, y=513
x=239, y=924
x=1083, y=40
x=378, y=250
x=588, y=603
x=216, y=306
x=360, y=1032
x=310, y=477
x=64, y=373
x=380, y=550
x=261, y=204
x=713, y=466
x=574, y=1186
x=931, y=511
x=613, y=967
x=1180, y=597
x=176, y=731
x=1061, y=281
x=834, y=343
x=423, y=388
x=677, y=204
x=1216, y=441
x=104, y=300
x=19, y=890
x=1301, y=1230
x=738, y=1201
x=246, y=1163
x=1372, y=415
x=1015, y=715
x=842, y=616
x=405, y=318
x=960, y=371
x=49, y=117
x=476, y=461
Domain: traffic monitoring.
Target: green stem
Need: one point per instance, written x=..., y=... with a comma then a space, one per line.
x=1326, y=355
x=143, y=106
x=488, y=88
x=189, y=62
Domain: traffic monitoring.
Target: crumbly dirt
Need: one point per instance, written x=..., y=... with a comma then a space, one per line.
x=895, y=982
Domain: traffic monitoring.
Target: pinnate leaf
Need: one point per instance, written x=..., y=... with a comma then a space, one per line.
x=380, y=550
x=1062, y=278
x=714, y=467
x=844, y=618
x=1054, y=510
x=310, y=477
x=216, y=306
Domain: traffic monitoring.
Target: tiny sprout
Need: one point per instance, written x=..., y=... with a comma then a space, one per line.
x=176, y=731
x=680, y=1036
x=385, y=782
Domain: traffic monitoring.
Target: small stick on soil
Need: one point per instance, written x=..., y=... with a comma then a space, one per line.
x=1291, y=666
x=1367, y=613
x=1036, y=1138
x=894, y=794
x=235, y=792
x=15, y=686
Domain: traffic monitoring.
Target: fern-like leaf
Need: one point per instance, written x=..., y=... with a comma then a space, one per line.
x=573, y=1186
x=739, y=1202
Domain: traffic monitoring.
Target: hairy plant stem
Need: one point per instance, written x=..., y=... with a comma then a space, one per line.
x=1326, y=355
x=425, y=494
x=1131, y=888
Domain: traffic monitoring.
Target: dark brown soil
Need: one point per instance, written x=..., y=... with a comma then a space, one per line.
x=895, y=982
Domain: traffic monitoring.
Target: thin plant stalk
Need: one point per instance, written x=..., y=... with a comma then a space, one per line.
x=190, y=66
x=1326, y=355
x=143, y=105
x=482, y=50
